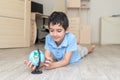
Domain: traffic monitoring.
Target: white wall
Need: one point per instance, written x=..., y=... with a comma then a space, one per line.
x=98, y=8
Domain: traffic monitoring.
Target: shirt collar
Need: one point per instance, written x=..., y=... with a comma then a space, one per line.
x=63, y=44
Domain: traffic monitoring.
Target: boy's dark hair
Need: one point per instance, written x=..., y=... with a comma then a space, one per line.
x=58, y=18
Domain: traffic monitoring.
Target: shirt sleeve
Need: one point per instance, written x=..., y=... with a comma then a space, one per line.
x=72, y=44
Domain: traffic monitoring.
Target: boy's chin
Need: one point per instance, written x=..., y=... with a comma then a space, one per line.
x=56, y=40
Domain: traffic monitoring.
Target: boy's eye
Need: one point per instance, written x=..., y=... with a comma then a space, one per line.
x=59, y=30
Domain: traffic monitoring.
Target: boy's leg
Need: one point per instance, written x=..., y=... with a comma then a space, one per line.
x=84, y=50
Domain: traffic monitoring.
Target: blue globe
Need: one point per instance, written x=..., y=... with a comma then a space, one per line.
x=35, y=56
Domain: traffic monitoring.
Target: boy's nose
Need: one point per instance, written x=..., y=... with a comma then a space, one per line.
x=55, y=33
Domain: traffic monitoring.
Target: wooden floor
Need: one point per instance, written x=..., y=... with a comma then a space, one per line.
x=103, y=64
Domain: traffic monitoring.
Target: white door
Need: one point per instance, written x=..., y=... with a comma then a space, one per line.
x=14, y=23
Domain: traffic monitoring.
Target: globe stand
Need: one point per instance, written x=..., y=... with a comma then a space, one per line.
x=37, y=70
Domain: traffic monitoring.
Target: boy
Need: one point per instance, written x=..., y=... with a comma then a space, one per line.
x=61, y=44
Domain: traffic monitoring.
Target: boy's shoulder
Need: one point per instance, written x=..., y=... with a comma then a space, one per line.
x=48, y=36
x=70, y=35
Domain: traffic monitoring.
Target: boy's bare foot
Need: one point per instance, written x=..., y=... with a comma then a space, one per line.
x=91, y=48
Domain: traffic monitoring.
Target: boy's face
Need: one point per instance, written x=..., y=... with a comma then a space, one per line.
x=57, y=32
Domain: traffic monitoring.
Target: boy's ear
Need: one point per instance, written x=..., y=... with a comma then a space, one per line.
x=67, y=30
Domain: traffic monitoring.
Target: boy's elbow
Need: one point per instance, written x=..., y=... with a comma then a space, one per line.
x=66, y=62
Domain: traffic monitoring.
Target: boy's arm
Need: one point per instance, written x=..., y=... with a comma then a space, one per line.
x=64, y=62
x=48, y=55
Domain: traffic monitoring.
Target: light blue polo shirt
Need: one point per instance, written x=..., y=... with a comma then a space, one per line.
x=69, y=44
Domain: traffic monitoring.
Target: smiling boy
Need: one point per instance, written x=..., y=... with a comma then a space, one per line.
x=62, y=44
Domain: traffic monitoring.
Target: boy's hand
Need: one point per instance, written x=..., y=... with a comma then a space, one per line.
x=47, y=63
x=30, y=65
x=48, y=58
